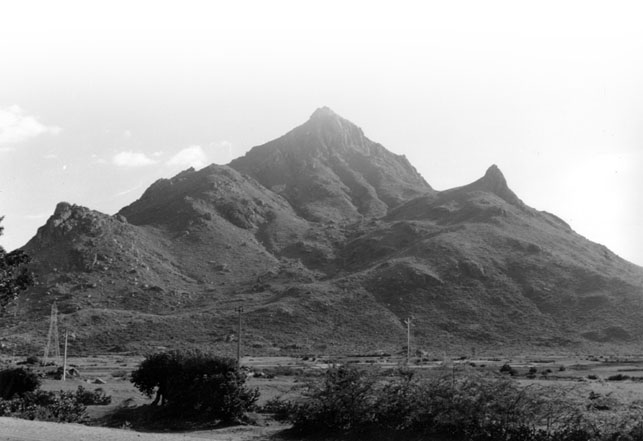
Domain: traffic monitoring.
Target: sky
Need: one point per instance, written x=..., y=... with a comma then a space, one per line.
x=100, y=99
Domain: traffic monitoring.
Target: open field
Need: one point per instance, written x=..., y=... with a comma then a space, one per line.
x=577, y=377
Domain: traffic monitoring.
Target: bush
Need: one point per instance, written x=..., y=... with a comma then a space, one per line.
x=357, y=402
x=618, y=377
x=280, y=409
x=96, y=397
x=196, y=384
x=506, y=368
x=40, y=405
x=17, y=381
x=33, y=359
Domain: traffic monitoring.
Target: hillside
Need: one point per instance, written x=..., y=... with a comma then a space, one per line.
x=328, y=241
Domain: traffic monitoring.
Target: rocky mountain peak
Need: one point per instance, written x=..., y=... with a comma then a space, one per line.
x=323, y=112
x=328, y=170
x=493, y=174
x=327, y=133
x=68, y=221
x=494, y=181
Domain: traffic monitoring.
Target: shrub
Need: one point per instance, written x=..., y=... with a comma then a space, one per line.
x=196, y=384
x=280, y=409
x=45, y=406
x=33, y=359
x=506, y=368
x=95, y=397
x=17, y=381
x=618, y=377
x=343, y=401
x=353, y=402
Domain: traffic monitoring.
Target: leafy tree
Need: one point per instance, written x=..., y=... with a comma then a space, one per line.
x=14, y=276
x=196, y=383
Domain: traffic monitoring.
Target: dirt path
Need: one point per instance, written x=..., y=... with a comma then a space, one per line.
x=12, y=429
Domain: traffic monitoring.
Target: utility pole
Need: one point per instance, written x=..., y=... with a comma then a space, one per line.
x=65, y=357
x=239, y=310
x=408, y=340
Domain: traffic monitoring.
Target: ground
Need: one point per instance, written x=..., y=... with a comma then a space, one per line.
x=576, y=376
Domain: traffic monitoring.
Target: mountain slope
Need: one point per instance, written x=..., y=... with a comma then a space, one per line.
x=328, y=241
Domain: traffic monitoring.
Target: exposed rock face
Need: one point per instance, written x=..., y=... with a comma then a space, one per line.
x=329, y=241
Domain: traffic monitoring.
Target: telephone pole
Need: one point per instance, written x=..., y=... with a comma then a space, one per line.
x=65, y=357
x=239, y=310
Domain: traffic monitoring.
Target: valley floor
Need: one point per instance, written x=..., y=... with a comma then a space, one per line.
x=613, y=382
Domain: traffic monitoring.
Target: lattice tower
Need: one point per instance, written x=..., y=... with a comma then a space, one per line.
x=52, y=350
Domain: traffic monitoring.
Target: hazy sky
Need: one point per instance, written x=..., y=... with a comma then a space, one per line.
x=100, y=99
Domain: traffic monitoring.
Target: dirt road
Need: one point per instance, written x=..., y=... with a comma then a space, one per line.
x=12, y=429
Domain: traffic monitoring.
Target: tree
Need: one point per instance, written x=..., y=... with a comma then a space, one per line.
x=14, y=276
x=195, y=383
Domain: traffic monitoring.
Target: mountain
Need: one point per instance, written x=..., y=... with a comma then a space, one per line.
x=328, y=242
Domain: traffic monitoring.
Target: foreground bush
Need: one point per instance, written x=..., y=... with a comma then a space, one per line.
x=17, y=381
x=40, y=405
x=353, y=403
x=196, y=384
x=96, y=397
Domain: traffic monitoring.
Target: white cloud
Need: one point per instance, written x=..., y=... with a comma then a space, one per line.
x=132, y=159
x=16, y=126
x=192, y=156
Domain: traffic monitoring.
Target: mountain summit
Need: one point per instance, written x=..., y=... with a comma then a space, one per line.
x=328, y=241
x=329, y=171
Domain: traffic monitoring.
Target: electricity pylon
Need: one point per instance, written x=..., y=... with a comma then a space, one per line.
x=52, y=350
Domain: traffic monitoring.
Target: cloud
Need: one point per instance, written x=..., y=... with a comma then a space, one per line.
x=132, y=159
x=192, y=156
x=16, y=126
